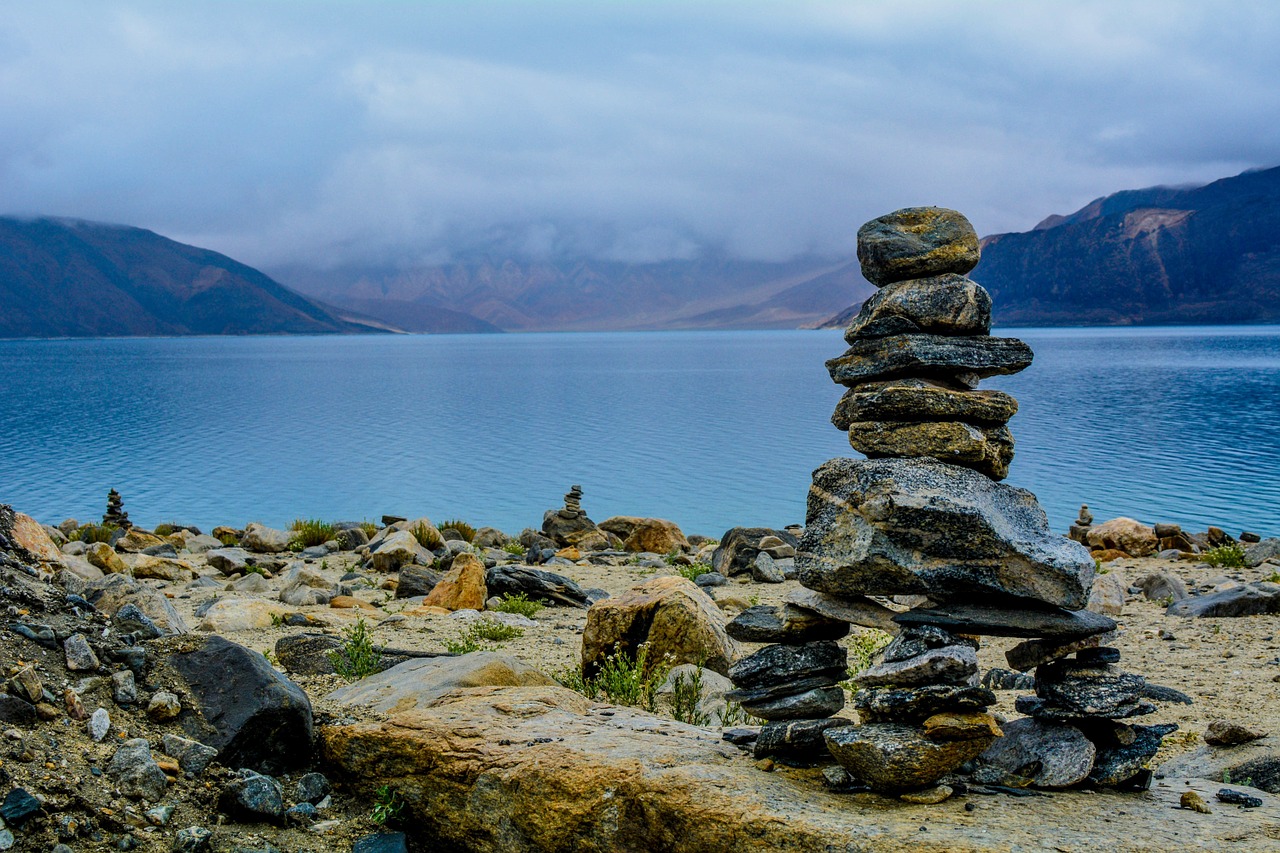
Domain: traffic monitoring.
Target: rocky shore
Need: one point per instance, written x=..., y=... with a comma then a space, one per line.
x=169, y=691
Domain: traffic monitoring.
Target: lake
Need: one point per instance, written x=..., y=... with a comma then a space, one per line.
x=709, y=429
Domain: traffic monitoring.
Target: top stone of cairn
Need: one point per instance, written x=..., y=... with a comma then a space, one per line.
x=916, y=242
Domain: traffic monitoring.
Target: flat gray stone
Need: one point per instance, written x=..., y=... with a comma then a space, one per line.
x=854, y=609
x=792, y=740
x=947, y=304
x=767, y=624
x=1051, y=755
x=947, y=665
x=818, y=702
x=922, y=400
x=779, y=664
x=1248, y=600
x=1000, y=622
x=1099, y=690
x=928, y=356
x=905, y=705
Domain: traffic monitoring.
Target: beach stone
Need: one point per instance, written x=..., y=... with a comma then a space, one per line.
x=27, y=684
x=782, y=689
x=1050, y=755
x=930, y=796
x=1230, y=733
x=265, y=540
x=112, y=592
x=890, y=757
x=161, y=568
x=130, y=619
x=656, y=535
x=419, y=682
x=99, y=725
x=854, y=609
x=243, y=707
x=232, y=615
x=952, y=725
x=1246, y=600
x=947, y=665
x=202, y=543
x=135, y=541
x=311, y=788
x=135, y=771
x=300, y=594
x=670, y=614
x=578, y=531
x=163, y=706
x=416, y=580
x=25, y=532
x=536, y=584
x=19, y=806
x=1117, y=764
x=229, y=561
x=1157, y=586
x=250, y=583
x=796, y=741
x=916, y=242
x=779, y=664
x=1089, y=691
x=914, y=642
x=764, y=570
x=711, y=579
x=1107, y=595
x=1258, y=553
x=986, y=449
x=766, y=624
x=398, y=549
x=907, y=705
x=815, y=703
x=1123, y=534
x=192, y=756
x=922, y=400
x=79, y=656
x=736, y=553
x=922, y=527
x=382, y=842
x=103, y=556
x=1034, y=706
x=946, y=304
x=307, y=654
x=253, y=796
x=1033, y=653
x=928, y=357
x=192, y=839
x=967, y=618
x=17, y=711
x=462, y=587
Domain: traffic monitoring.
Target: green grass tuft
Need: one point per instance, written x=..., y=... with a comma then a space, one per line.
x=311, y=531
x=622, y=680
x=521, y=604
x=356, y=659
x=428, y=537
x=1225, y=556
x=464, y=530
x=92, y=533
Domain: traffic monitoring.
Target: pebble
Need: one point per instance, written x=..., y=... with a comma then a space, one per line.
x=1237, y=798
x=193, y=839
x=164, y=706
x=927, y=796
x=99, y=724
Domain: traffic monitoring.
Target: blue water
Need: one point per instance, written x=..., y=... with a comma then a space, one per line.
x=710, y=429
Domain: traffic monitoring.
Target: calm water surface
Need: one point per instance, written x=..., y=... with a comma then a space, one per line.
x=710, y=429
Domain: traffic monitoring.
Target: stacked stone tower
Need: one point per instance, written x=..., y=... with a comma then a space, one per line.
x=115, y=514
x=925, y=521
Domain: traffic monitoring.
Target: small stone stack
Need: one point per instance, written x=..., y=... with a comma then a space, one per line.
x=926, y=521
x=573, y=503
x=792, y=683
x=115, y=514
x=919, y=346
x=570, y=526
x=1084, y=523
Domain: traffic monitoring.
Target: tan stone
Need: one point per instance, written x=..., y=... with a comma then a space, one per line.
x=961, y=726
x=350, y=602
x=428, y=611
x=657, y=535
x=28, y=533
x=242, y=614
x=135, y=540
x=161, y=568
x=105, y=557
x=1106, y=555
x=987, y=449
x=678, y=621
x=462, y=588
x=418, y=683
x=1123, y=534
x=570, y=553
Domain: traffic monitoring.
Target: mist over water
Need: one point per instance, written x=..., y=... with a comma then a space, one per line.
x=709, y=429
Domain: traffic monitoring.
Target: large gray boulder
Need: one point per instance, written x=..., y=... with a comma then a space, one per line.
x=112, y=593
x=265, y=540
x=922, y=527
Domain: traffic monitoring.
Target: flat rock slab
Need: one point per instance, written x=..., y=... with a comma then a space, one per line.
x=927, y=356
x=986, y=449
x=419, y=682
x=767, y=624
x=497, y=770
x=856, y=609
x=922, y=527
x=894, y=757
x=1000, y=622
x=947, y=304
x=922, y=400
x=1248, y=600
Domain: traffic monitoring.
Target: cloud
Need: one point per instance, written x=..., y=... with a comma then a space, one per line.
x=389, y=132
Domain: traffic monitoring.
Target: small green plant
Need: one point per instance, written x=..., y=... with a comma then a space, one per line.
x=164, y=529
x=694, y=571
x=270, y=656
x=386, y=804
x=311, y=531
x=464, y=645
x=622, y=679
x=513, y=546
x=754, y=600
x=494, y=632
x=229, y=539
x=685, y=696
x=464, y=530
x=427, y=536
x=732, y=715
x=1227, y=780
x=277, y=620
x=92, y=533
x=1225, y=556
x=519, y=603
x=370, y=529
x=863, y=647
x=1274, y=577
x=356, y=658
x=1165, y=602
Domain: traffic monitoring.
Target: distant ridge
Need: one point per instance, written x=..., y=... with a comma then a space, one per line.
x=71, y=278
x=1162, y=255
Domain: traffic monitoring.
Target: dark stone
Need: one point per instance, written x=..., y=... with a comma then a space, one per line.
x=302, y=813
x=1157, y=586
x=1238, y=798
x=1033, y=653
x=986, y=449
x=351, y=538
x=894, y=757
x=742, y=735
x=1090, y=691
x=922, y=527
x=796, y=741
x=1248, y=600
x=416, y=580
x=914, y=642
x=1033, y=706
x=1262, y=773
x=19, y=807
x=1101, y=654
x=915, y=242
x=251, y=714
x=1047, y=754
x=253, y=796
x=997, y=678
x=130, y=619
x=536, y=584
x=928, y=357
x=766, y=624
x=382, y=842
x=307, y=654
x=736, y=554
x=1001, y=622
x=922, y=400
x=891, y=704
x=790, y=687
x=778, y=664
x=193, y=839
x=16, y=711
x=947, y=665
x=311, y=788
x=1159, y=693
x=818, y=702
x=1259, y=552
x=710, y=579
x=1118, y=764
x=946, y=304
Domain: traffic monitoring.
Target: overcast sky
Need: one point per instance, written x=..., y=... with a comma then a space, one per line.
x=404, y=132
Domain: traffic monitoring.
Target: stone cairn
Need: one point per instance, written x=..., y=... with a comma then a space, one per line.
x=1084, y=523
x=925, y=523
x=115, y=514
x=572, y=503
